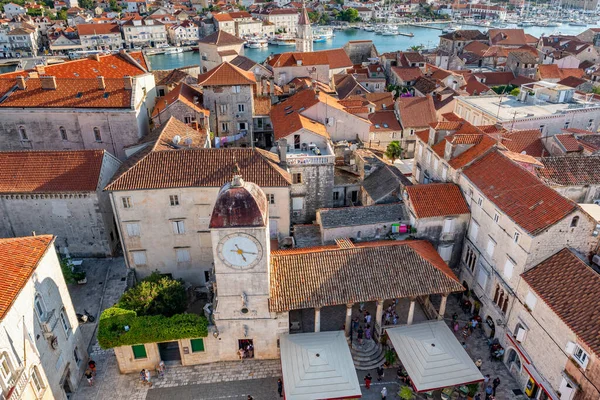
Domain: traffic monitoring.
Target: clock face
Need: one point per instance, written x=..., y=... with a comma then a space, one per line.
x=240, y=251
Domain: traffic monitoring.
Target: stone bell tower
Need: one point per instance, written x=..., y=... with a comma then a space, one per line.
x=304, y=35
x=241, y=247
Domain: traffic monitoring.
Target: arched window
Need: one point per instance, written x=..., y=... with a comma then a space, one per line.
x=505, y=305
x=63, y=133
x=6, y=371
x=358, y=235
x=23, y=133
x=38, y=382
x=501, y=298
x=97, y=135
x=574, y=221
x=496, y=294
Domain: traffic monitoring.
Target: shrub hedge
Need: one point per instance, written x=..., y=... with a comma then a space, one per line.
x=147, y=329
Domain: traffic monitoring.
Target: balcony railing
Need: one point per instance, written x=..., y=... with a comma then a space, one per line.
x=305, y=159
x=18, y=385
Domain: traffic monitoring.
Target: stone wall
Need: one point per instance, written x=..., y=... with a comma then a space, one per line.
x=360, y=51
x=316, y=189
x=215, y=96
x=431, y=229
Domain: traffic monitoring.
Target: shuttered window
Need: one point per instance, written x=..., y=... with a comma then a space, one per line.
x=197, y=345
x=139, y=351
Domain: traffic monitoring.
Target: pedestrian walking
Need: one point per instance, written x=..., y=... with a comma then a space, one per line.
x=488, y=392
x=455, y=317
x=143, y=376
x=379, y=373
x=280, y=387
x=148, y=377
x=355, y=324
x=383, y=393
x=368, y=380
x=368, y=332
x=250, y=397
x=477, y=396
x=478, y=363
x=367, y=318
x=495, y=384
x=92, y=366
x=160, y=369
x=89, y=376
x=359, y=335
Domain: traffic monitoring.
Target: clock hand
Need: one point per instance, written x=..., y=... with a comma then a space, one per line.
x=244, y=258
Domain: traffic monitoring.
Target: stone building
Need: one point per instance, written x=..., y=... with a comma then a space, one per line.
x=284, y=19
x=439, y=213
x=217, y=48
x=304, y=35
x=100, y=36
x=414, y=114
x=163, y=204
x=183, y=102
x=516, y=222
x=454, y=42
x=360, y=51
x=139, y=32
x=552, y=343
x=319, y=65
x=224, y=22
x=522, y=63
x=577, y=177
x=103, y=105
x=42, y=350
x=228, y=93
x=65, y=190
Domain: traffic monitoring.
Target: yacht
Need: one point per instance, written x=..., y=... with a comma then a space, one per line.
x=577, y=23
x=257, y=43
x=173, y=50
x=451, y=28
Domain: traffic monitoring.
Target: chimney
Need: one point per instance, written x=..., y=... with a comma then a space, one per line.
x=41, y=69
x=21, y=83
x=271, y=85
x=127, y=82
x=265, y=86
x=282, y=146
x=48, y=82
x=101, y=83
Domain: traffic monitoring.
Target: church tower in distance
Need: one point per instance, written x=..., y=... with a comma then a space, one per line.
x=304, y=36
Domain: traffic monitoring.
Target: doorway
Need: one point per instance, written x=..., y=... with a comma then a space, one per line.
x=66, y=383
x=169, y=352
x=246, y=348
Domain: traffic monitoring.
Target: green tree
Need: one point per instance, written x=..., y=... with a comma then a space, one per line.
x=155, y=295
x=61, y=14
x=349, y=15
x=406, y=393
x=515, y=92
x=87, y=4
x=324, y=19
x=393, y=150
x=35, y=12
x=417, y=48
x=114, y=6
x=313, y=16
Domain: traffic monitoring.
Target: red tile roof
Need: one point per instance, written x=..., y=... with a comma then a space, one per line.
x=407, y=74
x=221, y=38
x=436, y=200
x=384, y=121
x=528, y=141
x=226, y=74
x=521, y=196
x=50, y=171
x=574, y=170
x=224, y=17
x=335, y=58
x=572, y=290
x=199, y=168
x=98, y=29
x=19, y=257
x=183, y=93
x=507, y=37
x=416, y=112
x=548, y=71
x=569, y=142
x=332, y=275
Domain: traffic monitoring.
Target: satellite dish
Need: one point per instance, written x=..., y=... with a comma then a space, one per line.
x=188, y=141
x=176, y=139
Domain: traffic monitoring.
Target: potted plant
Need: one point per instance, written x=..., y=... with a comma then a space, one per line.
x=79, y=276
x=390, y=357
x=472, y=389
x=406, y=393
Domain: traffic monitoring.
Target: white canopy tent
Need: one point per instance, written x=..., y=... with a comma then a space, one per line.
x=318, y=366
x=432, y=356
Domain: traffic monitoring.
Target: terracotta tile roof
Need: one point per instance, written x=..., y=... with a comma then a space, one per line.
x=199, y=168
x=222, y=17
x=523, y=158
x=423, y=135
x=162, y=138
x=451, y=117
x=447, y=125
x=335, y=58
x=98, y=29
x=416, y=112
x=262, y=105
x=520, y=195
x=569, y=142
x=19, y=257
x=465, y=34
x=226, y=74
x=436, y=200
x=382, y=121
x=495, y=78
x=570, y=171
x=478, y=48
x=221, y=38
x=331, y=275
x=548, y=71
x=474, y=87
x=50, y=171
x=407, y=74
x=183, y=93
x=382, y=101
x=572, y=290
x=572, y=81
x=507, y=37
x=528, y=141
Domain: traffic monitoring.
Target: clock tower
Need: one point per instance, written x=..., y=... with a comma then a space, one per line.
x=241, y=248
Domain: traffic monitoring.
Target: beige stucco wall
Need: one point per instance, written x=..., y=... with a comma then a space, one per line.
x=48, y=282
x=211, y=53
x=152, y=211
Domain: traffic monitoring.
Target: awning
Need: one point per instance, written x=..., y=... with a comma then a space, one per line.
x=432, y=356
x=318, y=366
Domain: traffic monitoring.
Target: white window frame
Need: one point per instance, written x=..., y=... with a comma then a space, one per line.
x=126, y=202
x=530, y=300
x=64, y=322
x=509, y=268
x=473, y=230
x=183, y=255
x=133, y=229
x=39, y=300
x=270, y=198
x=6, y=376
x=38, y=382
x=178, y=227
x=581, y=356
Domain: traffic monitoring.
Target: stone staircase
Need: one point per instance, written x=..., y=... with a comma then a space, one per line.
x=367, y=356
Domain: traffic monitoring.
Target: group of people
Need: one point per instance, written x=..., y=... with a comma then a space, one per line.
x=391, y=316
x=146, y=375
x=246, y=349
x=489, y=388
x=90, y=372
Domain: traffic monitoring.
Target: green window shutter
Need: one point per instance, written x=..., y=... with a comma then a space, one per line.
x=197, y=345
x=139, y=351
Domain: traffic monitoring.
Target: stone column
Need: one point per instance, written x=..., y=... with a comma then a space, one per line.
x=411, y=311
x=348, y=319
x=317, y=319
x=379, y=318
x=442, y=307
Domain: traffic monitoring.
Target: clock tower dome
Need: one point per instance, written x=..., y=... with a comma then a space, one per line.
x=239, y=227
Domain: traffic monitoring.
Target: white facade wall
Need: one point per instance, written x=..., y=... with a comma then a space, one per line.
x=340, y=124
x=111, y=41
x=54, y=365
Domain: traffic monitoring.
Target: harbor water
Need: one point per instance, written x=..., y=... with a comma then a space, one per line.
x=423, y=36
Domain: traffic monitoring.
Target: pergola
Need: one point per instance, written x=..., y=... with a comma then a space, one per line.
x=318, y=366
x=432, y=356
